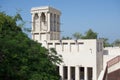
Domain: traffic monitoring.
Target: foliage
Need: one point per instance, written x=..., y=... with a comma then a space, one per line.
x=116, y=42
x=77, y=35
x=105, y=42
x=66, y=38
x=20, y=57
x=90, y=35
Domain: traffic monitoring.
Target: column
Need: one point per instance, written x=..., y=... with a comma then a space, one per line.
x=32, y=21
x=85, y=73
x=48, y=21
x=69, y=73
x=77, y=73
x=54, y=45
x=94, y=74
x=58, y=23
x=39, y=21
x=32, y=25
x=69, y=47
x=61, y=71
x=39, y=26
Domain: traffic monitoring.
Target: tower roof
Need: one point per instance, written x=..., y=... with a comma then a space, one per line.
x=45, y=8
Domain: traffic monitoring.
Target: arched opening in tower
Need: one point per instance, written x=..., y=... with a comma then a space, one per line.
x=43, y=21
x=36, y=22
x=43, y=17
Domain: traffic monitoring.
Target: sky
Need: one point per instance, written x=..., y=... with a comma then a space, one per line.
x=102, y=16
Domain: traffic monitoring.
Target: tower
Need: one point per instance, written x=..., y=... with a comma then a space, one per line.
x=45, y=23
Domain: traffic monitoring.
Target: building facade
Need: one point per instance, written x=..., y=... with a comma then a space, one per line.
x=83, y=59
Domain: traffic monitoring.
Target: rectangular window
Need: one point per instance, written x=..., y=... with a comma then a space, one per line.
x=65, y=43
x=65, y=70
x=89, y=73
x=57, y=69
x=72, y=73
x=50, y=43
x=72, y=43
x=57, y=43
x=80, y=43
x=81, y=73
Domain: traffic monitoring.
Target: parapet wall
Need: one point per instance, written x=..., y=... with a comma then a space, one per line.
x=75, y=46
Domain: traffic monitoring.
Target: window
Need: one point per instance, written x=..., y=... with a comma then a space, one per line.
x=89, y=73
x=50, y=43
x=36, y=22
x=43, y=17
x=57, y=69
x=65, y=43
x=80, y=43
x=72, y=73
x=57, y=43
x=65, y=70
x=81, y=73
x=36, y=16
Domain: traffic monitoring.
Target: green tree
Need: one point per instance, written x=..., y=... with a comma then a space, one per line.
x=77, y=35
x=105, y=42
x=90, y=34
x=22, y=58
x=66, y=38
x=116, y=42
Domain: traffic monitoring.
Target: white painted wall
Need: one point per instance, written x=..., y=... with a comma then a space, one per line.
x=81, y=53
x=110, y=53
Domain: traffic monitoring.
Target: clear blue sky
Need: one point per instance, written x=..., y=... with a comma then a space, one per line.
x=103, y=16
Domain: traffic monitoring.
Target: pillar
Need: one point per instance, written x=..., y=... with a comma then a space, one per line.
x=61, y=71
x=32, y=21
x=69, y=73
x=39, y=25
x=32, y=25
x=85, y=73
x=48, y=21
x=77, y=73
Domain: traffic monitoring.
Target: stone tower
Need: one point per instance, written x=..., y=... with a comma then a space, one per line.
x=45, y=23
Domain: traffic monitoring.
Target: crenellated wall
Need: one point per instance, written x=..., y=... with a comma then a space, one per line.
x=86, y=46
